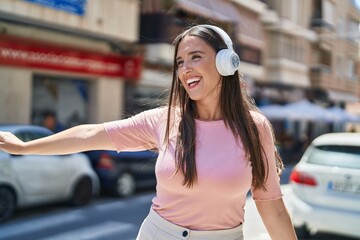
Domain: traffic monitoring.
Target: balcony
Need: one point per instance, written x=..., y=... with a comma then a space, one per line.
x=321, y=76
x=249, y=54
x=288, y=72
x=319, y=23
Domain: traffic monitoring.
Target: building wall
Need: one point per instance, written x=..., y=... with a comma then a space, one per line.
x=288, y=42
x=66, y=40
x=104, y=24
x=113, y=18
x=16, y=86
x=335, y=55
x=108, y=100
x=249, y=33
x=15, y=95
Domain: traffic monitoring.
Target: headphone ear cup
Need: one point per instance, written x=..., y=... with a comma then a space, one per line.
x=227, y=62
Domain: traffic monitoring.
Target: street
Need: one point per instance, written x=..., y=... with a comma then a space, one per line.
x=109, y=218
x=105, y=218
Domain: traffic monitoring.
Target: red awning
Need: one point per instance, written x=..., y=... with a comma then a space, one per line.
x=23, y=52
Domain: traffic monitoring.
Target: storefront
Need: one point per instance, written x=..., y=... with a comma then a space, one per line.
x=80, y=86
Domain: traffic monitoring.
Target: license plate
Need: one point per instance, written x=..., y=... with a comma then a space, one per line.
x=347, y=186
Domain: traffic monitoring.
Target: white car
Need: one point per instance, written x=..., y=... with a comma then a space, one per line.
x=27, y=180
x=326, y=186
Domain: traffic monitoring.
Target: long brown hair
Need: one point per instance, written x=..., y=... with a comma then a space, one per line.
x=235, y=106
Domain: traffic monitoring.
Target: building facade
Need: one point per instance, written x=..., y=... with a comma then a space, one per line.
x=334, y=59
x=289, y=50
x=72, y=57
x=80, y=59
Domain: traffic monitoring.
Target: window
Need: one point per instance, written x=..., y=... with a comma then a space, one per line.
x=340, y=26
x=286, y=46
x=350, y=67
x=334, y=155
x=325, y=57
x=249, y=54
x=339, y=67
x=329, y=12
x=353, y=30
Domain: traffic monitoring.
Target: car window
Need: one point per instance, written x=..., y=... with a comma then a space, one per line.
x=36, y=135
x=334, y=155
x=28, y=136
x=20, y=136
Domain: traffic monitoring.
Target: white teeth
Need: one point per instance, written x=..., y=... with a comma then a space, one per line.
x=192, y=80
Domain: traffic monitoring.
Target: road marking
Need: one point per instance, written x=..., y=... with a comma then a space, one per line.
x=124, y=204
x=94, y=232
x=110, y=206
x=39, y=224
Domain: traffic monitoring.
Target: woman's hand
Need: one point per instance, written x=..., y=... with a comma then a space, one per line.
x=10, y=143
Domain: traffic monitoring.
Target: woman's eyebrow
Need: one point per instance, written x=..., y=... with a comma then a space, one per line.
x=196, y=51
x=191, y=53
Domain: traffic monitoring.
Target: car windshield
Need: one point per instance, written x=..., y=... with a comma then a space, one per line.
x=334, y=155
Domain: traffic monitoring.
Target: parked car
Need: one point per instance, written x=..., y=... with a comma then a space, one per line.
x=123, y=173
x=326, y=186
x=27, y=180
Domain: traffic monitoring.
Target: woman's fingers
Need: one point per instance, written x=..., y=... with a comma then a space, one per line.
x=9, y=142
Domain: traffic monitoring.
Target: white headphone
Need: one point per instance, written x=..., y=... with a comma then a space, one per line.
x=227, y=61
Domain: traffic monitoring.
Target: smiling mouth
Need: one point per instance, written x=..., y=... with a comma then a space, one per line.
x=192, y=82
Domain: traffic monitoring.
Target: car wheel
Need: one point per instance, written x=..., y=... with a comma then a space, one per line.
x=302, y=232
x=7, y=203
x=125, y=185
x=82, y=193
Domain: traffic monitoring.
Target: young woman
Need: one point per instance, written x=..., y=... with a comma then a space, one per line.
x=214, y=146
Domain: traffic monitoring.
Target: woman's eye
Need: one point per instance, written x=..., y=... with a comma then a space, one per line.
x=179, y=63
x=195, y=57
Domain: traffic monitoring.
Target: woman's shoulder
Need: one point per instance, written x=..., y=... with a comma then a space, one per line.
x=258, y=117
x=263, y=124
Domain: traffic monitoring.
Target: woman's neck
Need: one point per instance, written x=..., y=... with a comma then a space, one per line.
x=208, y=112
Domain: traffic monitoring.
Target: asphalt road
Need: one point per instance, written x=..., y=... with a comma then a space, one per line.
x=108, y=219
x=104, y=219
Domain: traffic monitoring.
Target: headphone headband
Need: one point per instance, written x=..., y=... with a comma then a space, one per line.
x=222, y=33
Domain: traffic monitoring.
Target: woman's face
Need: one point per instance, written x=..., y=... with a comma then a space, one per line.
x=197, y=71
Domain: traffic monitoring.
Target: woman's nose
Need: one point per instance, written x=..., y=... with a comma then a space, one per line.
x=186, y=67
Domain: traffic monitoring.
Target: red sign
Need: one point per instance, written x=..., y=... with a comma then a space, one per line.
x=28, y=53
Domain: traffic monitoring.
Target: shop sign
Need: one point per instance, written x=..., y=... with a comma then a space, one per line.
x=72, y=6
x=27, y=53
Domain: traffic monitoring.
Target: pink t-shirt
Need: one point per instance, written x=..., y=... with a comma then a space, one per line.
x=217, y=199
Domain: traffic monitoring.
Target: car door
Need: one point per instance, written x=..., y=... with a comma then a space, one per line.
x=142, y=165
x=40, y=177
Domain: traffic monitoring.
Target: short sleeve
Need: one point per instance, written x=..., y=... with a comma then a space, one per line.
x=272, y=183
x=136, y=133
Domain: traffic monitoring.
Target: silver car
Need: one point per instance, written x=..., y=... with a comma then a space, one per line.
x=27, y=180
x=326, y=186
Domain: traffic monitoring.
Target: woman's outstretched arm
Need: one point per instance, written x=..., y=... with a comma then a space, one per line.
x=76, y=139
